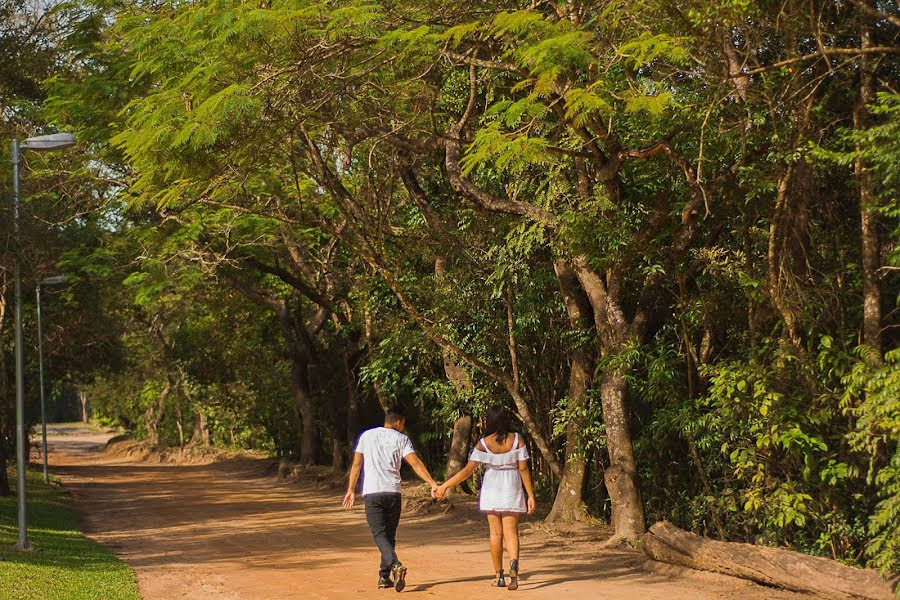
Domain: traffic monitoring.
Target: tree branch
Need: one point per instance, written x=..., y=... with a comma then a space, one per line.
x=465, y=187
x=873, y=12
x=820, y=54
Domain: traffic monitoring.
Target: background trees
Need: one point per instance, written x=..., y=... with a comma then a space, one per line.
x=663, y=235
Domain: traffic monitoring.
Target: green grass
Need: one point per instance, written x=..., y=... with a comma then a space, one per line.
x=65, y=565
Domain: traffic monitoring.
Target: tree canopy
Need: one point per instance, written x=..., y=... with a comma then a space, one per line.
x=663, y=234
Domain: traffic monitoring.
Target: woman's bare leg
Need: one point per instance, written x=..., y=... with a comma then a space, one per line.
x=511, y=535
x=495, y=523
x=511, y=538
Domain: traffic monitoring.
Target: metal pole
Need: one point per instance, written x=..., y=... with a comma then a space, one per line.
x=23, y=543
x=41, y=376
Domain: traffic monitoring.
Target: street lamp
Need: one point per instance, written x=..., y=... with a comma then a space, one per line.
x=56, y=280
x=55, y=141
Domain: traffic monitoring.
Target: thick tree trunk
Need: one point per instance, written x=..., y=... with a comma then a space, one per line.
x=152, y=416
x=201, y=429
x=568, y=506
x=621, y=475
x=459, y=446
x=871, y=259
x=770, y=566
x=614, y=331
x=462, y=427
x=303, y=405
x=778, y=264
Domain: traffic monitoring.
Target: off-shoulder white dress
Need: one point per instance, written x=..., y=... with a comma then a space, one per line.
x=501, y=488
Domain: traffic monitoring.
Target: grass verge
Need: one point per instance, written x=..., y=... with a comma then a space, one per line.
x=65, y=564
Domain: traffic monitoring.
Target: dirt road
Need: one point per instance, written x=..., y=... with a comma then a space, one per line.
x=229, y=531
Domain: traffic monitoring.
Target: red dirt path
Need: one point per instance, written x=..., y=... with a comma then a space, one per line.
x=228, y=530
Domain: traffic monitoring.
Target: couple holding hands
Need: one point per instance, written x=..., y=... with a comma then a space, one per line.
x=506, y=490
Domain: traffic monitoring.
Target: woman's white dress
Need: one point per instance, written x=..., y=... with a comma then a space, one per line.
x=501, y=488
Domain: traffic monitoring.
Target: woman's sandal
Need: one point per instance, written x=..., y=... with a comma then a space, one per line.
x=513, y=575
x=499, y=581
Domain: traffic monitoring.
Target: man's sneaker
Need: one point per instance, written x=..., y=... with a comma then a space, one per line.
x=385, y=583
x=398, y=573
x=499, y=580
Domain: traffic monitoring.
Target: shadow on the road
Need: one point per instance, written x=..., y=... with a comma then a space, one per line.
x=164, y=516
x=567, y=568
x=218, y=513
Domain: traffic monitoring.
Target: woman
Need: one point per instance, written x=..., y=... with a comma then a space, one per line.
x=505, y=459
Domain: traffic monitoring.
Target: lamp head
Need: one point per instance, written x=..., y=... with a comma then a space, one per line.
x=55, y=280
x=54, y=141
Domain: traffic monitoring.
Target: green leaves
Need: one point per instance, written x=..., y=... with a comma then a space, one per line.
x=509, y=152
x=216, y=115
x=654, y=105
x=582, y=104
x=648, y=48
x=872, y=396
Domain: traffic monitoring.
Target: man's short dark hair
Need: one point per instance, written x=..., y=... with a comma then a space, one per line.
x=394, y=414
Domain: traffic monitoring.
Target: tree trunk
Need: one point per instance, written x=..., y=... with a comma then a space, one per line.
x=770, y=566
x=4, y=414
x=201, y=429
x=4, y=476
x=459, y=446
x=871, y=260
x=371, y=344
x=303, y=405
x=614, y=332
x=338, y=447
x=778, y=264
x=462, y=384
x=351, y=356
x=152, y=416
x=568, y=506
x=621, y=475
x=82, y=396
x=178, y=422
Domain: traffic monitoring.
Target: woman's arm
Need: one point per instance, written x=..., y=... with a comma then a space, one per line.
x=525, y=472
x=454, y=481
x=463, y=474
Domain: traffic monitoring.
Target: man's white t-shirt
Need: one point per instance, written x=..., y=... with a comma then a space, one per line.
x=383, y=450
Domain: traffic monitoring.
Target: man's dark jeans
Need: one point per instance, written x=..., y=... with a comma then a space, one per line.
x=383, y=515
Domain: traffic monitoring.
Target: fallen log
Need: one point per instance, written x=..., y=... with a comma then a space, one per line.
x=770, y=566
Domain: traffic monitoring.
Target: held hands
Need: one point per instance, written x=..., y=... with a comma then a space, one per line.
x=438, y=492
x=349, y=499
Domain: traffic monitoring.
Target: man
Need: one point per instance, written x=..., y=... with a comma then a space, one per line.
x=379, y=453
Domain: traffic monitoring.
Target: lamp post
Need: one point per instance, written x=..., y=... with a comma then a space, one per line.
x=58, y=279
x=55, y=141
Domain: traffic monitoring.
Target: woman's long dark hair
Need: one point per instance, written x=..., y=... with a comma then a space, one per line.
x=496, y=422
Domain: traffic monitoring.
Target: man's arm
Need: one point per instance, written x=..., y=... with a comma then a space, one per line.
x=419, y=467
x=350, y=496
